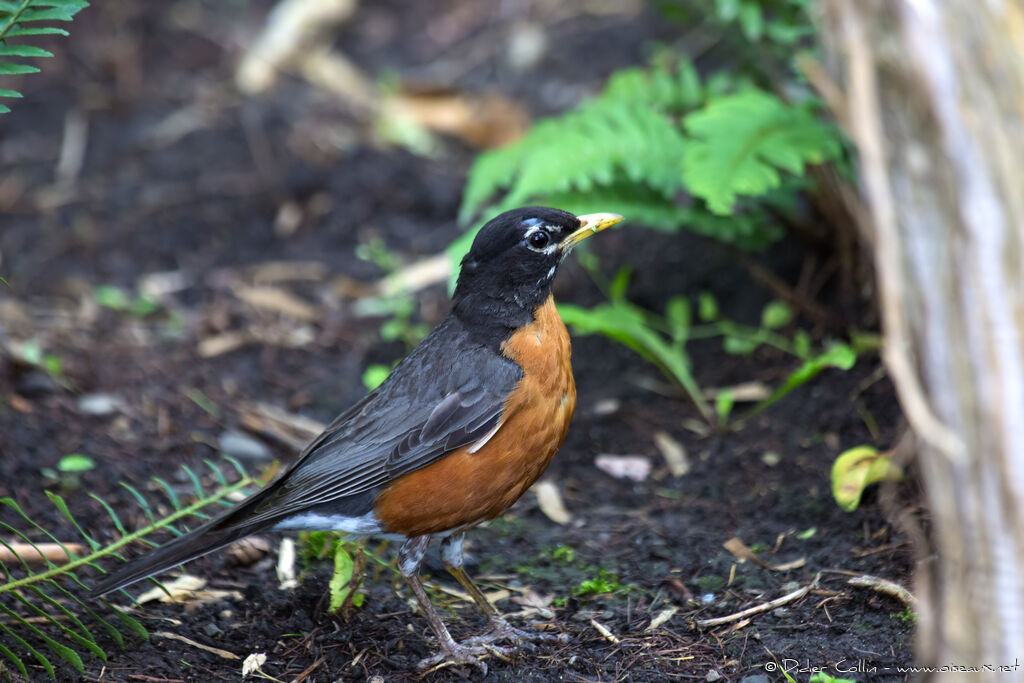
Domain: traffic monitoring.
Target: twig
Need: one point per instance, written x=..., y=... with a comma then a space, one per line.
x=212, y=650
x=766, y=607
x=39, y=552
x=310, y=669
x=603, y=630
x=890, y=588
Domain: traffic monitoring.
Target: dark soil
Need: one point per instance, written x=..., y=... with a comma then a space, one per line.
x=183, y=176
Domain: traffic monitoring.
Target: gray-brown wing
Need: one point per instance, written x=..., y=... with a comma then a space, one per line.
x=436, y=401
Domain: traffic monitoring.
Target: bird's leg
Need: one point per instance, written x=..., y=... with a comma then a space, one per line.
x=451, y=555
x=410, y=557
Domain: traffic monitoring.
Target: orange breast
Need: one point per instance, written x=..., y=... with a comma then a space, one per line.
x=463, y=488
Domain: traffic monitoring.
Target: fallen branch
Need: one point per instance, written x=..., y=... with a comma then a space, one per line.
x=39, y=553
x=890, y=588
x=766, y=607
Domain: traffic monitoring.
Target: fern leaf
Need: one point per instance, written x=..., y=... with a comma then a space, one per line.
x=43, y=620
x=626, y=133
x=13, y=19
x=742, y=141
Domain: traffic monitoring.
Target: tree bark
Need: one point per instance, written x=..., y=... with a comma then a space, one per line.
x=932, y=92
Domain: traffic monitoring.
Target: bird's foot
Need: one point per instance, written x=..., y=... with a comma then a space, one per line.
x=469, y=653
x=501, y=630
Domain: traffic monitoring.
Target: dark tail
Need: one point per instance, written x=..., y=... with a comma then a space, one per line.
x=182, y=549
x=213, y=535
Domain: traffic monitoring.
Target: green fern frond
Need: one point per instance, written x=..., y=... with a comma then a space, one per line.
x=43, y=617
x=19, y=18
x=624, y=135
x=740, y=142
x=666, y=150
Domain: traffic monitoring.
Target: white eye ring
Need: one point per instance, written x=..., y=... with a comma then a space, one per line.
x=538, y=238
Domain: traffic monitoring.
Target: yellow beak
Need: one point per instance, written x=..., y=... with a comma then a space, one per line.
x=590, y=224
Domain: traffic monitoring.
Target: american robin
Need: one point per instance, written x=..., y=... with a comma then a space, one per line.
x=458, y=432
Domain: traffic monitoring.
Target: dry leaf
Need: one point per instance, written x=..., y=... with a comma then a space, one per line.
x=489, y=120
x=276, y=300
x=492, y=597
x=633, y=467
x=271, y=272
x=253, y=663
x=661, y=617
x=416, y=276
x=248, y=551
x=222, y=343
x=292, y=29
x=179, y=588
x=673, y=452
x=740, y=549
x=530, y=598
x=744, y=392
x=549, y=498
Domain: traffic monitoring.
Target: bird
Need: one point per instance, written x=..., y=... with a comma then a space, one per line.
x=459, y=430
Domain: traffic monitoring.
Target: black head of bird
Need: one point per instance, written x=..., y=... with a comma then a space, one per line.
x=508, y=271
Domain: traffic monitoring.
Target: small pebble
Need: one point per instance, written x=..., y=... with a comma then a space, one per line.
x=713, y=676
x=756, y=678
x=243, y=446
x=100, y=404
x=707, y=598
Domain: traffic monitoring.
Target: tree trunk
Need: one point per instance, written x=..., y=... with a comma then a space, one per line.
x=932, y=92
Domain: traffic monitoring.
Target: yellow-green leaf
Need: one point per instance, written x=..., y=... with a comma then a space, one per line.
x=341, y=583
x=856, y=469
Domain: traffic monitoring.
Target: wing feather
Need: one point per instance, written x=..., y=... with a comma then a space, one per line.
x=432, y=404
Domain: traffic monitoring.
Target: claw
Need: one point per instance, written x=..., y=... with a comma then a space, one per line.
x=502, y=630
x=457, y=654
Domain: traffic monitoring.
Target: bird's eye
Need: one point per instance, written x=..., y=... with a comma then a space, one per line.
x=539, y=239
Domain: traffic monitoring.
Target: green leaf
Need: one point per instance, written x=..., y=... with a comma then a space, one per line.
x=620, y=283
x=856, y=469
x=65, y=12
x=739, y=346
x=16, y=19
x=374, y=376
x=723, y=406
x=743, y=141
x=31, y=352
x=751, y=21
x=6, y=652
x=627, y=324
x=838, y=355
x=776, y=314
x=8, y=69
x=801, y=343
x=76, y=462
x=111, y=296
x=340, y=585
x=707, y=306
x=36, y=31
x=23, y=51
x=678, y=315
